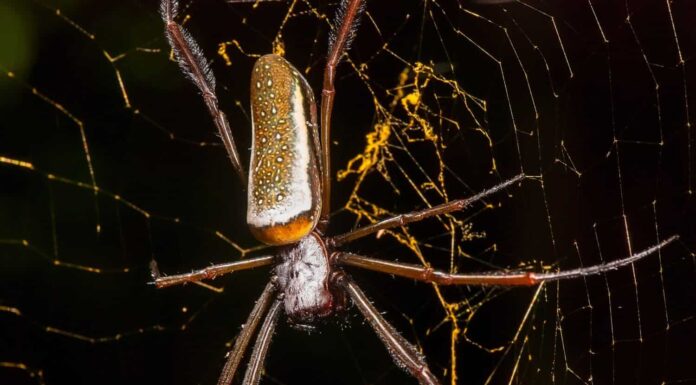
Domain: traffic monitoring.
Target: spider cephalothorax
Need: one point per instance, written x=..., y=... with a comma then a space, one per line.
x=288, y=206
x=305, y=278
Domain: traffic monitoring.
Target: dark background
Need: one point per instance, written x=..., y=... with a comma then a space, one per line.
x=166, y=188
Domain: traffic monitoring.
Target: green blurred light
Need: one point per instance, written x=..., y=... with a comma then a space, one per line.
x=17, y=43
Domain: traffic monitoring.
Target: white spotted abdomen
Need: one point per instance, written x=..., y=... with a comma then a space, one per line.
x=284, y=190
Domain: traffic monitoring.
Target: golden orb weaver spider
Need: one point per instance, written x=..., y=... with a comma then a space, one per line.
x=288, y=205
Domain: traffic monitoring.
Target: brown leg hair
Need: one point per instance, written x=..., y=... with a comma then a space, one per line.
x=195, y=66
x=430, y=275
x=404, y=354
x=210, y=272
x=341, y=37
x=403, y=219
x=242, y=342
x=263, y=341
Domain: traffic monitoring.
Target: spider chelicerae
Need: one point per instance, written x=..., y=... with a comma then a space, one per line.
x=289, y=187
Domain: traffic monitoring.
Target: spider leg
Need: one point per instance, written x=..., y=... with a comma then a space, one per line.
x=415, y=216
x=210, y=271
x=258, y=355
x=339, y=41
x=242, y=342
x=191, y=60
x=404, y=354
x=428, y=274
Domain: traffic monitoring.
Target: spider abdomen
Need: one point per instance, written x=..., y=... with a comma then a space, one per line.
x=284, y=190
x=303, y=278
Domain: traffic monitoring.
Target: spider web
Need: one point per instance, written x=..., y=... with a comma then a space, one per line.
x=108, y=161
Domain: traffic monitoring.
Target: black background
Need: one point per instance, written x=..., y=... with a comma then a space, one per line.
x=189, y=191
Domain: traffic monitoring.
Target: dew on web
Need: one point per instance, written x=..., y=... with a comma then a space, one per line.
x=108, y=161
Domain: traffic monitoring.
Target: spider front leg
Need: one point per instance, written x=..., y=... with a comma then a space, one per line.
x=416, y=216
x=404, y=354
x=191, y=60
x=491, y=278
x=348, y=15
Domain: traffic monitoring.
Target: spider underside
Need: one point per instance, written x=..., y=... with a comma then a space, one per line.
x=308, y=282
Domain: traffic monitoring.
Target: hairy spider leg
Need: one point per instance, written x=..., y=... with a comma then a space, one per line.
x=194, y=64
x=404, y=354
x=209, y=272
x=234, y=357
x=263, y=341
x=512, y=278
x=415, y=216
x=348, y=14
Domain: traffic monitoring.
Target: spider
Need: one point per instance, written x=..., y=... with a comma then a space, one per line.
x=288, y=206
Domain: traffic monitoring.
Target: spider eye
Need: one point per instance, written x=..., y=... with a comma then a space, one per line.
x=284, y=189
